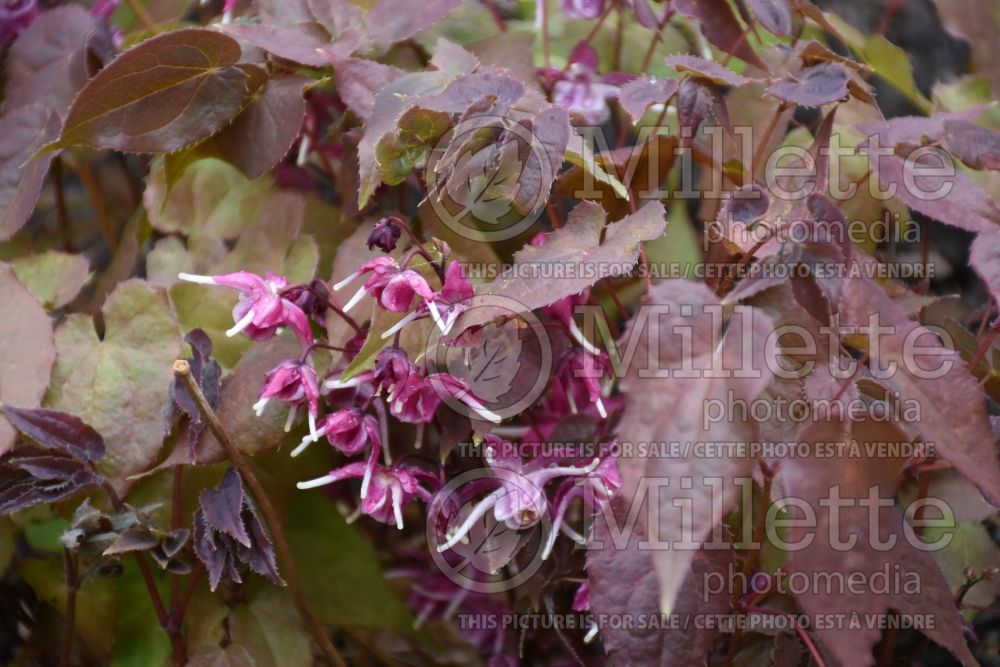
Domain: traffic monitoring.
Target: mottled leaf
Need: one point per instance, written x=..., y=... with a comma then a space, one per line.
x=131, y=368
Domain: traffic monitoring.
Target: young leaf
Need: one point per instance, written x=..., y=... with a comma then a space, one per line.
x=57, y=430
x=813, y=86
x=708, y=70
x=222, y=507
x=639, y=94
x=775, y=15
x=27, y=353
x=161, y=95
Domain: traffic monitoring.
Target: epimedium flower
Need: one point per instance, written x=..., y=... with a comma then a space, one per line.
x=262, y=308
x=15, y=16
x=348, y=431
x=390, y=489
x=384, y=235
x=596, y=488
x=581, y=603
x=293, y=382
x=580, y=373
x=446, y=305
x=581, y=90
x=393, y=287
x=417, y=398
x=392, y=368
x=520, y=500
x=582, y=9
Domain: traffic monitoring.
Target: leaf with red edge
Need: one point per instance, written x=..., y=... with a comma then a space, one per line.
x=977, y=146
x=27, y=352
x=775, y=15
x=708, y=70
x=23, y=132
x=720, y=26
x=161, y=95
x=952, y=408
x=48, y=61
x=576, y=244
x=223, y=506
x=53, y=429
x=639, y=94
x=814, y=86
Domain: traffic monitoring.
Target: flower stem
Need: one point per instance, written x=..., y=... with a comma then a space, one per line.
x=271, y=518
x=72, y=583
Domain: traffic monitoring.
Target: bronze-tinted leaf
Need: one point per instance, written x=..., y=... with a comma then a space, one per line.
x=775, y=15
x=975, y=145
x=639, y=94
x=706, y=69
x=161, y=95
x=720, y=26
x=23, y=132
x=813, y=86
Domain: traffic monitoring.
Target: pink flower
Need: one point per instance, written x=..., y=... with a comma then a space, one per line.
x=262, y=308
x=103, y=9
x=392, y=287
x=392, y=368
x=580, y=374
x=386, y=491
x=348, y=431
x=227, y=10
x=418, y=398
x=520, y=500
x=581, y=91
x=582, y=9
x=293, y=382
x=581, y=603
x=15, y=16
x=596, y=488
x=444, y=306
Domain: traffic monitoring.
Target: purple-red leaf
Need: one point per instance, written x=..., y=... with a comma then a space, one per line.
x=975, y=145
x=23, y=132
x=392, y=21
x=639, y=94
x=57, y=430
x=161, y=95
x=694, y=101
x=775, y=15
x=985, y=259
x=813, y=86
x=359, y=80
x=223, y=507
x=706, y=69
x=720, y=26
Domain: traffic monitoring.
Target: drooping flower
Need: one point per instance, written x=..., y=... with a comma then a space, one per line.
x=384, y=235
x=348, y=431
x=581, y=603
x=392, y=368
x=520, y=500
x=579, y=374
x=582, y=9
x=393, y=287
x=293, y=382
x=446, y=305
x=389, y=489
x=596, y=488
x=262, y=308
x=15, y=16
x=103, y=9
x=418, y=398
x=227, y=11
x=581, y=91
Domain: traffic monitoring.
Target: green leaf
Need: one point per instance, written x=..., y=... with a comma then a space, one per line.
x=130, y=369
x=27, y=352
x=400, y=153
x=96, y=602
x=161, y=95
x=970, y=547
x=54, y=277
x=344, y=584
x=270, y=629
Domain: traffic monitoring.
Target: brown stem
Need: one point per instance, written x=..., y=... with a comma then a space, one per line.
x=175, y=523
x=759, y=153
x=271, y=518
x=89, y=181
x=143, y=16
x=495, y=13
x=57, y=183
x=72, y=583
